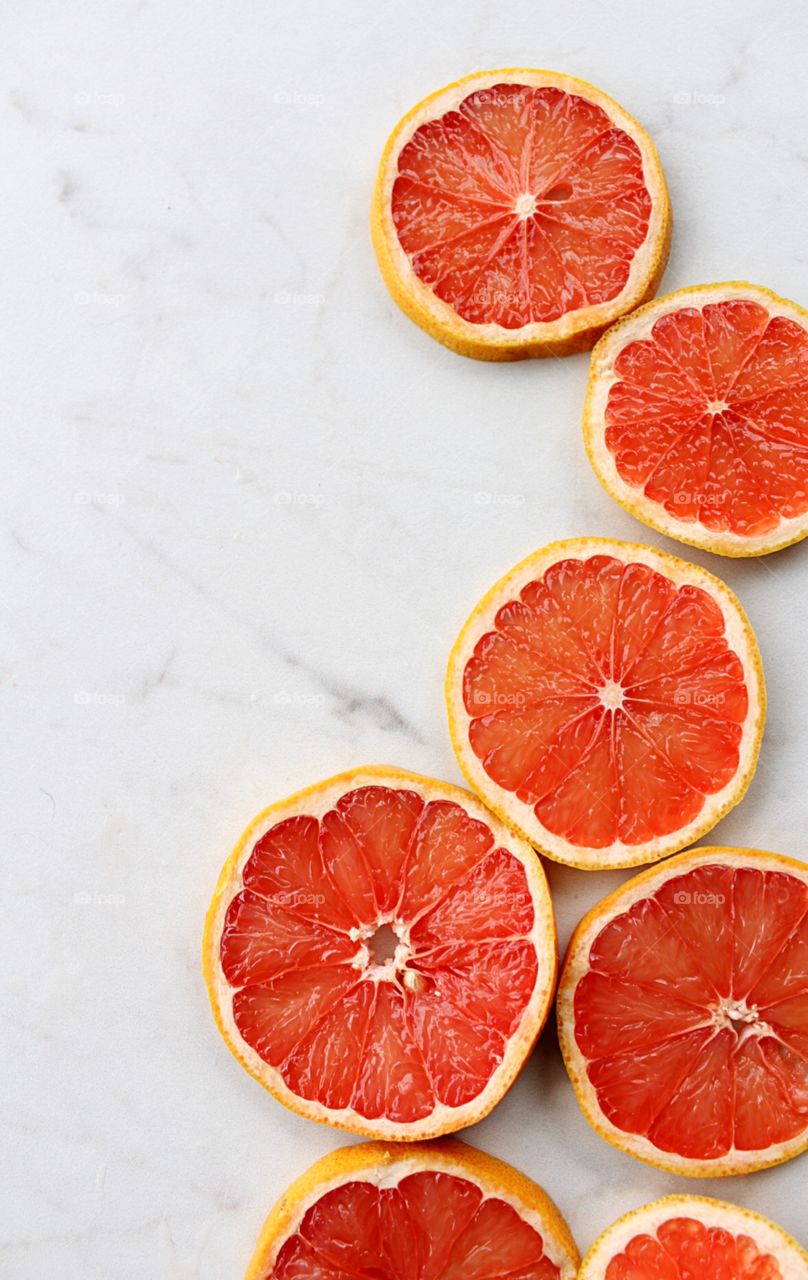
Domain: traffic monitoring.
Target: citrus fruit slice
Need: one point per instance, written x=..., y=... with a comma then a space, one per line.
x=693, y=1238
x=519, y=213
x=683, y=1013
x=380, y=953
x=696, y=417
x=607, y=701
x=433, y=1211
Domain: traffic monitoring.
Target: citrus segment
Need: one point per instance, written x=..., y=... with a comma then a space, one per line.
x=440, y=1212
x=697, y=417
x=693, y=1238
x=518, y=213
x=380, y=953
x=683, y=1012
x=608, y=701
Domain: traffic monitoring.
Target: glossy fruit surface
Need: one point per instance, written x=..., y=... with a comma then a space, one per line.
x=607, y=700
x=683, y=1012
x=380, y=953
x=519, y=213
x=696, y=417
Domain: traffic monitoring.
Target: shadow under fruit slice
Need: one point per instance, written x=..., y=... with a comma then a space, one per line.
x=519, y=213
x=380, y=953
x=696, y=417
x=437, y=1211
x=683, y=1013
x=607, y=700
x=694, y=1237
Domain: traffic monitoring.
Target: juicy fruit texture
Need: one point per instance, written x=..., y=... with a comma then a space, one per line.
x=430, y=1224
x=689, y=1011
x=521, y=205
x=609, y=700
x=709, y=416
x=683, y=1247
x=686, y=1237
x=386, y=959
x=429, y=1211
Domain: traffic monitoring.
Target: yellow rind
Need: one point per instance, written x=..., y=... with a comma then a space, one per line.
x=447, y=1154
x=453, y=696
x=210, y=944
x=559, y=338
x=681, y=1203
x=707, y=540
x=604, y=910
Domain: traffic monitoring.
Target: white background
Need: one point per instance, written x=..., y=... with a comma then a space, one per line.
x=242, y=525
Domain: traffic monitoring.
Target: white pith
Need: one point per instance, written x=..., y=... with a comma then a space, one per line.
x=316, y=802
x=571, y=322
x=769, y=1238
x=576, y=966
x=389, y=1175
x=521, y=815
x=602, y=377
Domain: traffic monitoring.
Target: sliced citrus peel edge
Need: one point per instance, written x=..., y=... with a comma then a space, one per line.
x=576, y=330
x=519, y=816
x=315, y=801
x=640, y=887
x=635, y=327
x=377, y=1161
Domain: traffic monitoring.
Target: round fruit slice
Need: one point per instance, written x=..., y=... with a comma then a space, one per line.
x=519, y=213
x=683, y=1013
x=696, y=417
x=692, y=1238
x=437, y=1211
x=607, y=701
x=380, y=953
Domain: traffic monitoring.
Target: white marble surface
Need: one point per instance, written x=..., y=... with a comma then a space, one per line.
x=246, y=505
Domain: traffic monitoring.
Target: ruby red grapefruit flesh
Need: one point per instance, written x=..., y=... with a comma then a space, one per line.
x=693, y=1014
x=607, y=699
x=521, y=205
x=429, y=1225
x=708, y=417
x=684, y=1247
x=312, y=991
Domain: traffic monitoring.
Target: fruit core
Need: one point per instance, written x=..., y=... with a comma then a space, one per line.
x=611, y=695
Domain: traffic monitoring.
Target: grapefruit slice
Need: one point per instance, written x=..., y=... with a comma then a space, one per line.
x=696, y=417
x=380, y=954
x=693, y=1238
x=683, y=1013
x=607, y=701
x=519, y=213
x=433, y=1211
